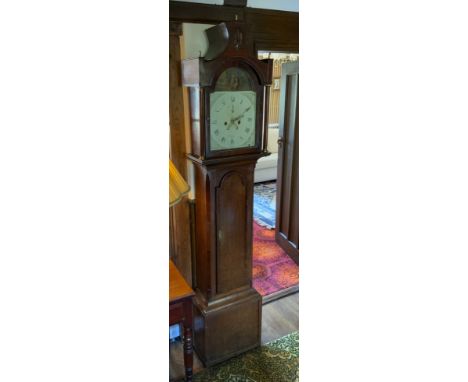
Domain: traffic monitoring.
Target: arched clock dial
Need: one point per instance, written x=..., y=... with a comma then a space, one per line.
x=232, y=119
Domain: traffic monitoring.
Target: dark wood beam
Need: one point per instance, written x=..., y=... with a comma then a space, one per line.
x=175, y=28
x=271, y=30
x=203, y=13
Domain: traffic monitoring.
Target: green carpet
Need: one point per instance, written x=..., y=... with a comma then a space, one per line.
x=277, y=361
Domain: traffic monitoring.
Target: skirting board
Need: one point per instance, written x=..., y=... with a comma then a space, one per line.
x=279, y=294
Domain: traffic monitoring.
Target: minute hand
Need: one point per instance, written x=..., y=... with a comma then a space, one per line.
x=241, y=115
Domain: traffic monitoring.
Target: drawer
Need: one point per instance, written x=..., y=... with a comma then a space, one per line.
x=176, y=313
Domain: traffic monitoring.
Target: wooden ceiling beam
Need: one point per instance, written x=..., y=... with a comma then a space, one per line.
x=271, y=30
x=203, y=13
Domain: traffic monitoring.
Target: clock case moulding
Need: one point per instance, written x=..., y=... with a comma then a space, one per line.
x=227, y=309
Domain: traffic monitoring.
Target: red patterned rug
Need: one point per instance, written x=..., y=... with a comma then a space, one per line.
x=273, y=269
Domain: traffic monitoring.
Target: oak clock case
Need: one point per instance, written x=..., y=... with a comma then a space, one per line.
x=228, y=103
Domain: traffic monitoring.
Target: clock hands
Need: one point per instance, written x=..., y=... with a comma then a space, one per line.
x=233, y=120
x=238, y=117
x=230, y=123
x=241, y=115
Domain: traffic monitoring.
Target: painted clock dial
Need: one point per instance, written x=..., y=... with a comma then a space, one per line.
x=233, y=108
x=232, y=120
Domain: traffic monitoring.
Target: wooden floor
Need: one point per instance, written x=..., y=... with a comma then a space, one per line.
x=279, y=318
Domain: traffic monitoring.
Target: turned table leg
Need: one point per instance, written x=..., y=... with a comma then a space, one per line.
x=188, y=346
x=188, y=354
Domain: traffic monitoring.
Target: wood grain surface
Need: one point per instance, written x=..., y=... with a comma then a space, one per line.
x=178, y=287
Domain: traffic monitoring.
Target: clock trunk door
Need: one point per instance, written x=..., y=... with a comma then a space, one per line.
x=234, y=242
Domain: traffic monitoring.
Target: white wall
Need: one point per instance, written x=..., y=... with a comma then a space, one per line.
x=195, y=41
x=282, y=5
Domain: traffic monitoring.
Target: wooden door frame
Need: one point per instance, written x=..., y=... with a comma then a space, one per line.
x=283, y=239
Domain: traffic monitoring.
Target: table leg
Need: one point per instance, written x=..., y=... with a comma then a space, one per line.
x=188, y=352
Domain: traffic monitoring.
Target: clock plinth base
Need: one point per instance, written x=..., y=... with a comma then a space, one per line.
x=227, y=327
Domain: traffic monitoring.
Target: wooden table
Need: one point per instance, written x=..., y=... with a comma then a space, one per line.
x=180, y=311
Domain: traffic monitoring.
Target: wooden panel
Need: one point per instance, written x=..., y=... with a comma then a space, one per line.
x=203, y=266
x=224, y=330
x=294, y=212
x=176, y=313
x=287, y=207
x=288, y=152
x=176, y=107
x=274, y=30
x=180, y=245
x=226, y=265
x=233, y=266
x=244, y=329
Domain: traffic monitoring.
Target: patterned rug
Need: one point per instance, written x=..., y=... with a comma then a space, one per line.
x=265, y=204
x=273, y=269
x=277, y=361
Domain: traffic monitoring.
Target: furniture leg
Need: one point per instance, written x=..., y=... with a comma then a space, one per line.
x=188, y=351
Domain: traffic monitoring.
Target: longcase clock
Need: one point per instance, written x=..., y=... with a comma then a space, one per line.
x=228, y=91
